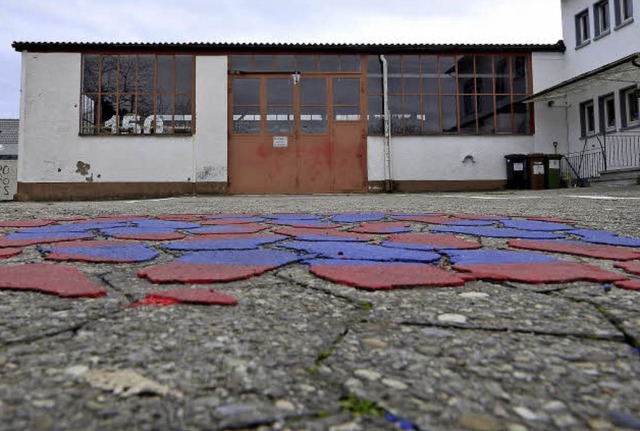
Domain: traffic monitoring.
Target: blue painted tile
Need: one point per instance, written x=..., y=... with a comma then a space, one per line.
x=470, y=223
x=357, y=218
x=605, y=237
x=224, y=244
x=128, y=252
x=165, y=224
x=358, y=251
x=496, y=232
x=543, y=226
x=481, y=257
x=241, y=257
x=301, y=216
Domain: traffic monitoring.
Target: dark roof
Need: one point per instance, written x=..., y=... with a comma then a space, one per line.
x=212, y=47
x=617, y=70
x=9, y=137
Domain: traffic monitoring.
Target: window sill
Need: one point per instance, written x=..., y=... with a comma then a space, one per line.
x=623, y=24
x=603, y=34
x=588, y=135
x=631, y=126
x=583, y=44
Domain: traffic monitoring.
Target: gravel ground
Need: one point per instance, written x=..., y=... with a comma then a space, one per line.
x=302, y=353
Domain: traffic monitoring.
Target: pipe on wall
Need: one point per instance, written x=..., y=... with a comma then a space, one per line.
x=388, y=178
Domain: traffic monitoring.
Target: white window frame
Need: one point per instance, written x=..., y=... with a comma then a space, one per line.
x=587, y=118
x=583, y=33
x=607, y=107
x=602, y=18
x=629, y=99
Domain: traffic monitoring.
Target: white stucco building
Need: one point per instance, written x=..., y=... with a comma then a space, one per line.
x=146, y=120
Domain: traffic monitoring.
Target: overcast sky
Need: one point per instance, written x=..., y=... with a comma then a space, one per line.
x=364, y=21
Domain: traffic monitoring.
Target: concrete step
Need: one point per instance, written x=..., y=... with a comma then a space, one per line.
x=617, y=177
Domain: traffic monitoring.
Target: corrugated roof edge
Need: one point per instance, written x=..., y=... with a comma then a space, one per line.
x=274, y=47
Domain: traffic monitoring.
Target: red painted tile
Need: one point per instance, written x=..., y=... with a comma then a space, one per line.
x=577, y=248
x=552, y=220
x=383, y=277
x=180, y=217
x=33, y=241
x=188, y=296
x=633, y=284
x=437, y=241
x=9, y=252
x=26, y=223
x=381, y=227
x=176, y=272
x=630, y=267
x=59, y=280
x=331, y=233
x=542, y=272
x=429, y=219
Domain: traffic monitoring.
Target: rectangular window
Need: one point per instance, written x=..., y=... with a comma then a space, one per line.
x=582, y=28
x=630, y=109
x=448, y=93
x=623, y=10
x=607, y=108
x=602, y=18
x=137, y=94
x=587, y=118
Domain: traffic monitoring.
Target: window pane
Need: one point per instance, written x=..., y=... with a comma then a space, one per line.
x=108, y=118
x=466, y=82
x=246, y=119
x=429, y=74
x=520, y=75
x=346, y=113
x=164, y=114
x=447, y=75
x=90, y=73
x=395, y=84
x=503, y=80
x=412, y=84
x=376, y=119
x=374, y=84
x=127, y=117
x=350, y=63
x=313, y=91
x=146, y=73
x=307, y=63
x=284, y=63
x=241, y=63
x=246, y=91
x=127, y=74
x=410, y=64
x=329, y=63
x=449, y=114
x=346, y=91
x=521, y=118
x=89, y=119
x=485, y=114
x=184, y=73
x=412, y=115
x=468, y=113
x=484, y=74
x=503, y=119
x=374, y=65
x=633, y=114
x=313, y=120
x=165, y=74
x=431, y=112
x=262, y=63
x=279, y=91
x=182, y=114
x=280, y=120
x=395, y=109
x=147, y=118
x=109, y=73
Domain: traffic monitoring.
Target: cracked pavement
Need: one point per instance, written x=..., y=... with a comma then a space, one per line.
x=304, y=353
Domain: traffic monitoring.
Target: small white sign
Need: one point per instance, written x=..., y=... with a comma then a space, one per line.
x=554, y=164
x=8, y=179
x=538, y=169
x=518, y=167
x=280, y=141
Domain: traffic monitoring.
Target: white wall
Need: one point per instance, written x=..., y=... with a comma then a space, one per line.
x=441, y=158
x=548, y=70
x=619, y=43
x=50, y=145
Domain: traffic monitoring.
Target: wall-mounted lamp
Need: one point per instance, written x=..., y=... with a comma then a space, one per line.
x=555, y=147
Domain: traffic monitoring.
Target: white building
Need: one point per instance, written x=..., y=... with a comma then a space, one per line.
x=143, y=120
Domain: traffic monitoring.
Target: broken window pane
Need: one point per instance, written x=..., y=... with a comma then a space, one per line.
x=89, y=117
x=447, y=74
x=246, y=119
x=431, y=114
x=108, y=115
x=313, y=120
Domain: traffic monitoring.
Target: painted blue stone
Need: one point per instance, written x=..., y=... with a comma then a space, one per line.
x=357, y=218
x=329, y=238
x=131, y=252
x=390, y=418
x=294, y=216
x=245, y=219
x=350, y=262
x=412, y=246
x=470, y=223
x=165, y=224
x=273, y=258
x=605, y=237
x=221, y=229
x=74, y=227
x=483, y=257
x=358, y=251
x=544, y=226
x=406, y=425
x=496, y=232
x=48, y=235
x=223, y=244
x=301, y=223
x=136, y=231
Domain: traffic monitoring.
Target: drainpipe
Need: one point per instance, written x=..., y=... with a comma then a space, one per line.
x=388, y=184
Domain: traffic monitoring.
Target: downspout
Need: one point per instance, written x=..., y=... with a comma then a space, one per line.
x=388, y=183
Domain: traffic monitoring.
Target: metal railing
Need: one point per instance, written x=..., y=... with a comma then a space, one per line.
x=602, y=152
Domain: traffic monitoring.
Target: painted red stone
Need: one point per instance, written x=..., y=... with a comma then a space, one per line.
x=475, y=216
x=330, y=233
x=541, y=272
x=384, y=277
x=33, y=241
x=552, y=220
x=633, y=284
x=188, y=296
x=240, y=228
x=9, y=252
x=59, y=280
x=226, y=221
x=437, y=241
x=72, y=218
x=176, y=272
x=630, y=267
x=381, y=227
x=26, y=223
x=180, y=217
x=429, y=219
x=581, y=249
x=118, y=217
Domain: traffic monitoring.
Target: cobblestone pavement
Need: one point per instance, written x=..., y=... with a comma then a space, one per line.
x=474, y=311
